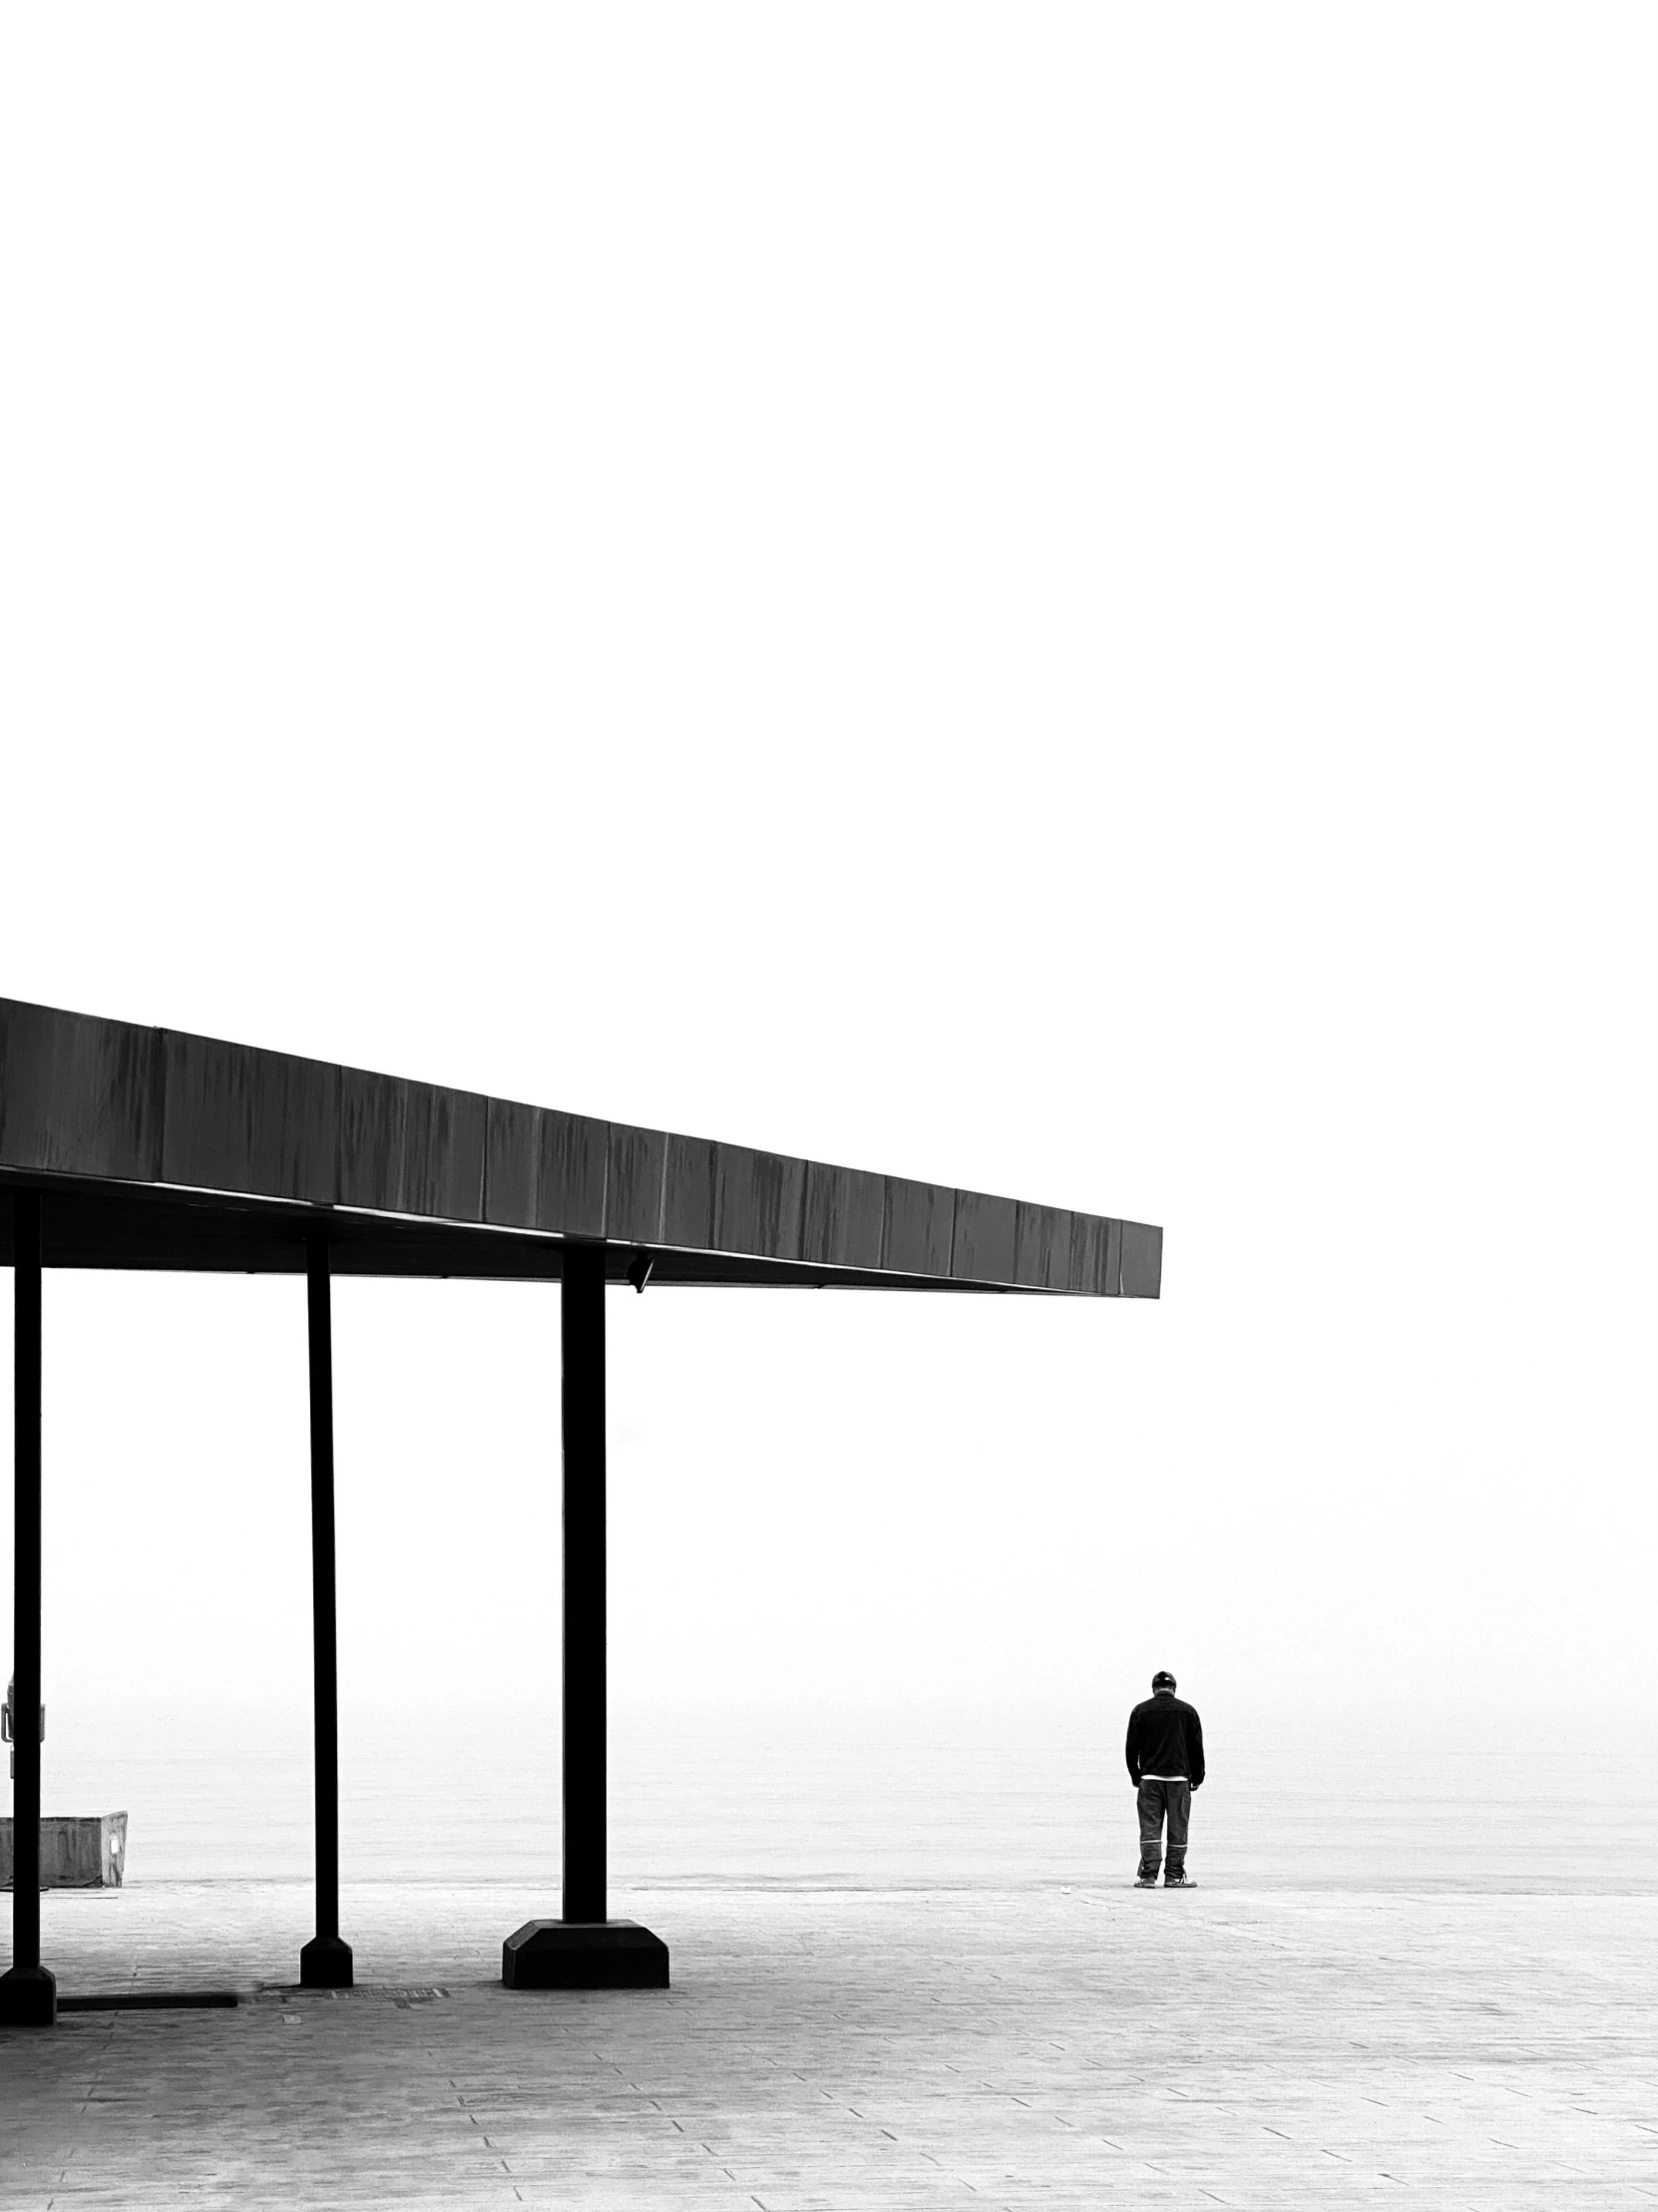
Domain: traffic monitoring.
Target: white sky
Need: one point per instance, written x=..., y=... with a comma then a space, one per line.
x=1055, y=599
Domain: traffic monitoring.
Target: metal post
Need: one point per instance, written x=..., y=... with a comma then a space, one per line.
x=585, y=1950
x=582, y=1333
x=29, y=1992
x=325, y=1962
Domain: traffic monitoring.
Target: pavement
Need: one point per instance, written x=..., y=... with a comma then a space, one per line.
x=1052, y=2046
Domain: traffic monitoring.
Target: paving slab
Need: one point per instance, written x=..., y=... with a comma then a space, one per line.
x=842, y=2048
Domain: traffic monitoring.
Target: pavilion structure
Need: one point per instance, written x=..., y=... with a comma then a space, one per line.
x=143, y=1148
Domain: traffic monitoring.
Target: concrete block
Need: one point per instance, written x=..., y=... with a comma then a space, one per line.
x=75, y=1854
x=584, y=1955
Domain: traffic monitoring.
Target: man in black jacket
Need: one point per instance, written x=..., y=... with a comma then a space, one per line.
x=1165, y=1765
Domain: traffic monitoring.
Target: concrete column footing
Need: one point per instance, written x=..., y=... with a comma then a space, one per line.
x=584, y=1955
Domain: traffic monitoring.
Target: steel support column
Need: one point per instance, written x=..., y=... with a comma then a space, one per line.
x=325, y=1962
x=29, y=1992
x=582, y=1341
x=584, y=1950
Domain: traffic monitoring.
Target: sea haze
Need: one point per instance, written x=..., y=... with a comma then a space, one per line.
x=909, y=1797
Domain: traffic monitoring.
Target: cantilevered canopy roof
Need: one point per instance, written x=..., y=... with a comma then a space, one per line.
x=156, y=1149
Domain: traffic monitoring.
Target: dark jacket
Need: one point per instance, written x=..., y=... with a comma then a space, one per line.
x=1166, y=1736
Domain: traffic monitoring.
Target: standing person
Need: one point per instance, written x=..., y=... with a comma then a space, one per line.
x=1165, y=1765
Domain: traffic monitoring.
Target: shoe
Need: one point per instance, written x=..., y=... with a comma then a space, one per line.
x=1144, y=1881
x=1179, y=1880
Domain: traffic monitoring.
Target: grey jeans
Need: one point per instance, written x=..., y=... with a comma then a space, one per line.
x=1156, y=1799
